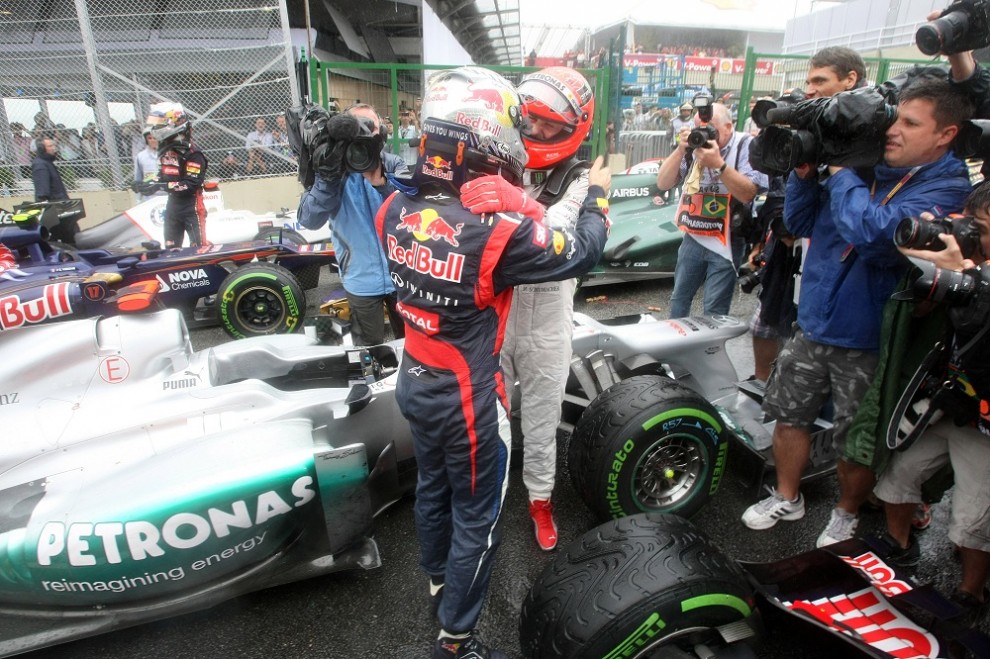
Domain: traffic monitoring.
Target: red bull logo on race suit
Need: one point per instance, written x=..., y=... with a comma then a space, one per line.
x=428, y=225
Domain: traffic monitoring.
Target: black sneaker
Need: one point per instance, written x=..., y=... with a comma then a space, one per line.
x=436, y=594
x=908, y=557
x=464, y=648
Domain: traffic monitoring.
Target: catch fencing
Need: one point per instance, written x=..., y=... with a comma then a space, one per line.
x=84, y=72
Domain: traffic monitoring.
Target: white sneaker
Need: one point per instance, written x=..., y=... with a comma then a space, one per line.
x=766, y=513
x=841, y=526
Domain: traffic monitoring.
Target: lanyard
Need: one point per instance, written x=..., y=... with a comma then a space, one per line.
x=894, y=190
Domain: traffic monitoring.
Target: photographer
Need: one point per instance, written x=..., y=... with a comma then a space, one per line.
x=349, y=200
x=851, y=269
x=966, y=74
x=719, y=168
x=958, y=438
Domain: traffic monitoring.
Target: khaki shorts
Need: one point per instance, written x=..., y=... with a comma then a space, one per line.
x=968, y=450
x=806, y=374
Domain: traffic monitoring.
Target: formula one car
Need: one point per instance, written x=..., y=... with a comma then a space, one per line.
x=249, y=288
x=140, y=479
x=144, y=222
x=644, y=238
x=653, y=585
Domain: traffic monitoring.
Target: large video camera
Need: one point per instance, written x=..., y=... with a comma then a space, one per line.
x=846, y=129
x=962, y=26
x=331, y=143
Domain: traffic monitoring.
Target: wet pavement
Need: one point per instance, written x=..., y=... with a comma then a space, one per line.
x=384, y=613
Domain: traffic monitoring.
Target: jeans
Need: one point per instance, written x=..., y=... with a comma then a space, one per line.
x=697, y=265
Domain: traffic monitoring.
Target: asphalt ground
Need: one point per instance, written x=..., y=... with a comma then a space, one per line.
x=384, y=613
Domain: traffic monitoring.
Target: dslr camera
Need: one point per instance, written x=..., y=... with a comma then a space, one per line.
x=962, y=26
x=967, y=291
x=748, y=281
x=846, y=129
x=915, y=233
x=700, y=135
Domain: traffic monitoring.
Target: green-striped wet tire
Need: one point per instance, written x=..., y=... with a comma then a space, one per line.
x=647, y=444
x=648, y=585
x=260, y=298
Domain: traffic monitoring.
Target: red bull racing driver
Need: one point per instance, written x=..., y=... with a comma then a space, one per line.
x=454, y=271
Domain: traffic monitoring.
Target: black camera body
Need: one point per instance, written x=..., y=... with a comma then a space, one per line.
x=962, y=26
x=846, y=129
x=967, y=292
x=699, y=136
x=364, y=153
x=916, y=233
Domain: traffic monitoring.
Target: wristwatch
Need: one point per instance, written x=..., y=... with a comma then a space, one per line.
x=721, y=169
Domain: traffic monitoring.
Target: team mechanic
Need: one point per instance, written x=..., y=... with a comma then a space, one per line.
x=454, y=272
x=559, y=106
x=182, y=171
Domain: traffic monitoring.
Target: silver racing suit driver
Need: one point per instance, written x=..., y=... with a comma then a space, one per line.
x=454, y=271
x=559, y=107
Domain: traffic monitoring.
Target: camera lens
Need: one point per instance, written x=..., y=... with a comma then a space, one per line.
x=698, y=137
x=936, y=284
x=363, y=154
x=915, y=233
x=942, y=34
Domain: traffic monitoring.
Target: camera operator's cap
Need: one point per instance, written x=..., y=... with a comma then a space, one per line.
x=687, y=107
x=472, y=108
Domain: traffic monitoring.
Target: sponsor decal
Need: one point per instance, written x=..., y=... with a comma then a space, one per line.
x=869, y=618
x=558, y=243
x=170, y=170
x=658, y=201
x=479, y=124
x=53, y=303
x=10, y=399
x=113, y=542
x=420, y=259
x=184, y=279
x=169, y=158
x=540, y=235
x=193, y=168
x=179, y=383
x=425, y=321
x=437, y=197
x=114, y=369
x=623, y=193
x=416, y=371
x=602, y=204
x=428, y=225
x=95, y=291
x=879, y=573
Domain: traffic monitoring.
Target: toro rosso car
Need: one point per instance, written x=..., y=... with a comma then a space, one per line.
x=140, y=479
x=249, y=288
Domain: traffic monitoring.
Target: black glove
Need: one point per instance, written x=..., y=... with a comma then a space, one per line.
x=146, y=187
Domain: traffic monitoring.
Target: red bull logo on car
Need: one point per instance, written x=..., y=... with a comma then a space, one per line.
x=54, y=302
x=428, y=225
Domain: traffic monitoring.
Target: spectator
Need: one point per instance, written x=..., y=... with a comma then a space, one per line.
x=69, y=143
x=230, y=167
x=22, y=148
x=146, y=162
x=134, y=137
x=349, y=201
x=449, y=385
x=850, y=270
x=92, y=150
x=256, y=141
x=712, y=248
x=48, y=184
x=408, y=130
x=958, y=438
x=831, y=70
x=280, y=144
x=683, y=119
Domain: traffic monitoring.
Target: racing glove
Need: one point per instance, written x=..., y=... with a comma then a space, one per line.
x=147, y=188
x=493, y=194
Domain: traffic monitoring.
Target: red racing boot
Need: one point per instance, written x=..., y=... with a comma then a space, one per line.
x=541, y=510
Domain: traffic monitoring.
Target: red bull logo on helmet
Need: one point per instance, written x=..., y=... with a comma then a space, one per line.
x=428, y=225
x=489, y=97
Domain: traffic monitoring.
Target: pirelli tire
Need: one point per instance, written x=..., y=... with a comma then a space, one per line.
x=260, y=298
x=647, y=444
x=308, y=276
x=649, y=585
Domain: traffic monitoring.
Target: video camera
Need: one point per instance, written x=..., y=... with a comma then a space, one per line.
x=331, y=143
x=846, y=129
x=962, y=26
x=700, y=135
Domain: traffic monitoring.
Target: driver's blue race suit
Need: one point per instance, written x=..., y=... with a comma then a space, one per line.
x=454, y=272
